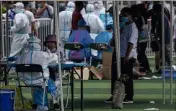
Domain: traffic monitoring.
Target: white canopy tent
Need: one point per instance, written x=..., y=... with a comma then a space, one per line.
x=117, y=41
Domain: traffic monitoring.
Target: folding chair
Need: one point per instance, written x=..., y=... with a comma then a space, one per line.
x=99, y=46
x=75, y=46
x=30, y=68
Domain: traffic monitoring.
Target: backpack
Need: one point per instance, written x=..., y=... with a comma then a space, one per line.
x=50, y=15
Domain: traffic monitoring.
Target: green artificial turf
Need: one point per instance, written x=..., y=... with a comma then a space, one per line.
x=95, y=92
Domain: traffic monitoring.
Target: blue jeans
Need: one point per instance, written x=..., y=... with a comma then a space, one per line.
x=38, y=93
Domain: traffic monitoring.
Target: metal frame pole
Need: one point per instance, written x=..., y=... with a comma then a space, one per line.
x=106, y=19
x=117, y=36
x=171, y=54
x=121, y=5
x=163, y=54
x=58, y=50
x=7, y=26
x=1, y=29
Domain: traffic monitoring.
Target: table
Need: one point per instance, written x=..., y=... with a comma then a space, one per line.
x=66, y=66
x=4, y=66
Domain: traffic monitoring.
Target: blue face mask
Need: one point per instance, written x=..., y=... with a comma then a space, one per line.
x=110, y=14
x=17, y=10
x=124, y=19
x=39, y=5
x=122, y=25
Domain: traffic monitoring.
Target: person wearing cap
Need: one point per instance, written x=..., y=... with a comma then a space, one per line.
x=80, y=36
x=34, y=55
x=65, y=22
x=20, y=30
x=128, y=54
x=50, y=44
x=92, y=20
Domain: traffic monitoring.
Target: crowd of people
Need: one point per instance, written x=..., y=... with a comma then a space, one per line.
x=83, y=22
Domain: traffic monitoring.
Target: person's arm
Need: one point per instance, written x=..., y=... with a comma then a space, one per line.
x=33, y=26
x=129, y=49
x=153, y=23
x=100, y=25
x=132, y=40
x=41, y=10
x=18, y=23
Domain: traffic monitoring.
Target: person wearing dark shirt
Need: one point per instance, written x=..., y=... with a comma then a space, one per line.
x=77, y=14
x=158, y=9
x=140, y=21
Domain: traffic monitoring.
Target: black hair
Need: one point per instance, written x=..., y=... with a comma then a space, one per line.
x=157, y=7
x=26, y=3
x=79, y=5
x=126, y=10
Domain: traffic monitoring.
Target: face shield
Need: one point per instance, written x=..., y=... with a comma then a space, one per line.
x=70, y=6
x=96, y=5
x=18, y=7
x=90, y=8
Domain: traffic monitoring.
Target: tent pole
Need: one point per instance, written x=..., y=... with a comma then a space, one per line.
x=171, y=54
x=163, y=54
x=106, y=19
x=121, y=5
x=58, y=50
x=1, y=30
x=117, y=35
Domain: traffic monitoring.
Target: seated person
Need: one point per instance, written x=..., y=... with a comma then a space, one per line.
x=103, y=37
x=34, y=55
x=80, y=36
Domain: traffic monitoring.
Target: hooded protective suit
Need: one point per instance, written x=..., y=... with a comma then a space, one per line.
x=65, y=22
x=20, y=31
x=34, y=55
x=99, y=8
x=92, y=20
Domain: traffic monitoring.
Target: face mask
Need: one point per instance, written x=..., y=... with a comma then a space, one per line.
x=124, y=19
x=96, y=5
x=39, y=5
x=17, y=10
x=122, y=25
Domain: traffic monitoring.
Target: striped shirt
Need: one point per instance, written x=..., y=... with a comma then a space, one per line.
x=129, y=35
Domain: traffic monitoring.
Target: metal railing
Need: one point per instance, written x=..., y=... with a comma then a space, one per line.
x=45, y=28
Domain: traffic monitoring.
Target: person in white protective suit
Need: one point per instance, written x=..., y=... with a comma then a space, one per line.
x=20, y=30
x=92, y=20
x=65, y=21
x=65, y=24
x=99, y=8
x=34, y=55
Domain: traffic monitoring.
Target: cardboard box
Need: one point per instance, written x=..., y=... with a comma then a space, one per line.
x=107, y=58
x=97, y=73
x=85, y=73
x=106, y=72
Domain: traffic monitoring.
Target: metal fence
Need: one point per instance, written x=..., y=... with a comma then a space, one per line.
x=45, y=28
